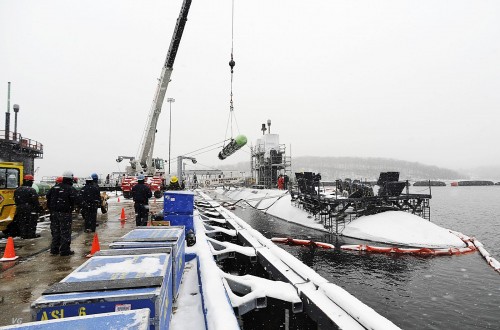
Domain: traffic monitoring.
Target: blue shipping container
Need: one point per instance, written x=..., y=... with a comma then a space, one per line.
x=111, y=284
x=180, y=220
x=155, y=237
x=134, y=320
x=178, y=202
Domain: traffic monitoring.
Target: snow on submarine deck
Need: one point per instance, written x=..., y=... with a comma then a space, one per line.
x=396, y=227
x=392, y=227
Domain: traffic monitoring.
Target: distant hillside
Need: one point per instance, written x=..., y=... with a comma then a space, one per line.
x=332, y=168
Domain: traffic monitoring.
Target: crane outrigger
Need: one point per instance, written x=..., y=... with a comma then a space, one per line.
x=154, y=168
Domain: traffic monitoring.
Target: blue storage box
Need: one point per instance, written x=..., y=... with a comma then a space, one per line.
x=178, y=202
x=180, y=220
x=134, y=320
x=106, y=284
x=156, y=237
x=131, y=252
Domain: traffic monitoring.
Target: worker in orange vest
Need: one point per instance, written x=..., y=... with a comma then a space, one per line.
x=281, y=182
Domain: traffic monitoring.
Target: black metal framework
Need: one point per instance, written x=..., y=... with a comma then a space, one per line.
x=351, y=200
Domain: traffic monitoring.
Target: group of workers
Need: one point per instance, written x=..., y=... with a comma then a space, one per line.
x=63, y=198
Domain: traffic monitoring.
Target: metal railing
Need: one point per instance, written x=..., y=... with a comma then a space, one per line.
x=23, y=142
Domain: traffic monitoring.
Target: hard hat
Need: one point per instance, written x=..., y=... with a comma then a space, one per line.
x=75, y=179
x=59, y=179
x=29, y=177
x=89, y=179
x=67, y=174
x=174, y=179
x=94, y=176
x=140, y=177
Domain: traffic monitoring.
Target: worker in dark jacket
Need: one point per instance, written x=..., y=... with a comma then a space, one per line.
x=90, y=199
x=95, y=178
x=61, y=200
x=141, y=194
x=27, y=208
x=174, y=184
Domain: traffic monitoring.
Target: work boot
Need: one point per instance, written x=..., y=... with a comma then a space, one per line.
x=54, y=253
x=69, y=253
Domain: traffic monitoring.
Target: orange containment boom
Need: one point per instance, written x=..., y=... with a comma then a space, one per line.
x=303, y=242
x=414, y=251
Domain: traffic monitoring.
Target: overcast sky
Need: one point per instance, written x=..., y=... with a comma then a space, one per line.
x=410, y=80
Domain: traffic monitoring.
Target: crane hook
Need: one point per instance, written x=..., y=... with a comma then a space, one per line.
x=232, y=63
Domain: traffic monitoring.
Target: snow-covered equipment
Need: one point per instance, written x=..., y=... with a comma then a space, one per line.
x=112, y=283
x=155, y=237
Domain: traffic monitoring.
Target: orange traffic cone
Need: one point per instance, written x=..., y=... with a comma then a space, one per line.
x=10, y=253
x=123, y=216
x=95, y=246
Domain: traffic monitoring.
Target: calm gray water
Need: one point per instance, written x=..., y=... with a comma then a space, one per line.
x=445, y=292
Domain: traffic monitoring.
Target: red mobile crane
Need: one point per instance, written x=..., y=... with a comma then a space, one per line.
x=154, y=168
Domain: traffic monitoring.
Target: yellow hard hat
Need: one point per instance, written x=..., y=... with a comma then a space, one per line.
x=174, y=179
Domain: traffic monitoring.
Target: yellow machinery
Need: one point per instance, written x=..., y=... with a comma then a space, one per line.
x=11, y=177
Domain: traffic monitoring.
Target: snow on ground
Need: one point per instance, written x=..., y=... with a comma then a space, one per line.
x=393, y=227
x=187, y=310
x=215, y=300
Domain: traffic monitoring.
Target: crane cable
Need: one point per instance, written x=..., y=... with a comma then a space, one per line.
x=232, y=63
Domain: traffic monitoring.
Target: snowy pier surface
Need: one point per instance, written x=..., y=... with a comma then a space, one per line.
x=392, y=227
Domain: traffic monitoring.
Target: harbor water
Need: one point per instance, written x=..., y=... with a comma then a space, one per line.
x=442, y=292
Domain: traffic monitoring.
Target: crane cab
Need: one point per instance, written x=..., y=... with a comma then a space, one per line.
x=11, y=177
x=159, y=165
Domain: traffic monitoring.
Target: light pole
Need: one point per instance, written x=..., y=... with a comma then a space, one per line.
x=170, y=100
x=16, y=110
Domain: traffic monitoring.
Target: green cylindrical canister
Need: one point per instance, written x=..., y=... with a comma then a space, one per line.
x=41, y=188
x=233, y=146
x=241, y=140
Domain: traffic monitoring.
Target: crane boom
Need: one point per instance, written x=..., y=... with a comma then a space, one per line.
x=145, y=157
